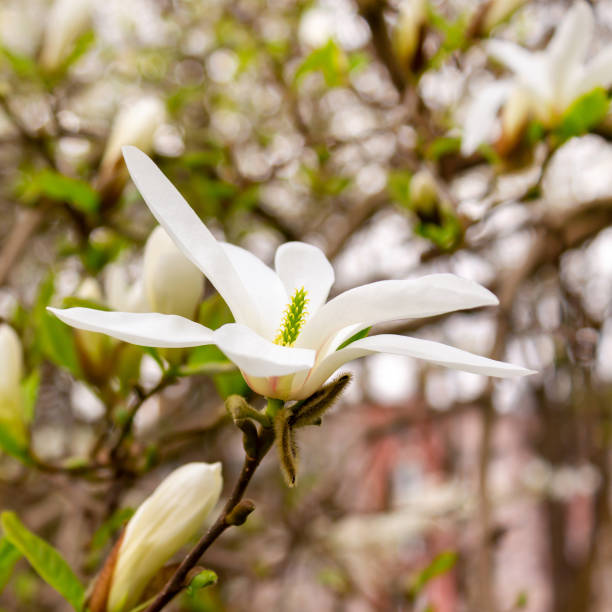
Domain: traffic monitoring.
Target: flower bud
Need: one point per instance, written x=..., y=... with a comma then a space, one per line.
x=173, y=285
x=67, y=20
x=514, y=117
x=121, y=294
x=135, y=124
x=11, y=373
x=498, y=11
x=423, y=193
x=408, y=32
x=166, y=520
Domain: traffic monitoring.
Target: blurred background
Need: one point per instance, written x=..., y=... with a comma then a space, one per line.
x=339, y=123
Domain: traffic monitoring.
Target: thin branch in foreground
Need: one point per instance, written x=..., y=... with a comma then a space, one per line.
x=177, y=582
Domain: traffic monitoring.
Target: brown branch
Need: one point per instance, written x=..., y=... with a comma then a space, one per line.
x=177, y=582
x=373, y=12
x=25, y=226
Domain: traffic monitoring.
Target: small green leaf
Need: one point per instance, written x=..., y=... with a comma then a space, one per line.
x=47, y=562
x=584, y=114
x=77, y=302
x=330, y=60
x=440, y=564
x=202, y=580
x=60, y=188
x=80, y=47
x=11, y=445
x=29, y=392
x=54, y=339
x=9, y=555
x=442, y=147
x=208, y=368
x=214, y=312
x=446, y=234
x=22, y=65
x=358, y=336
x=105, y=532
x=398, y=185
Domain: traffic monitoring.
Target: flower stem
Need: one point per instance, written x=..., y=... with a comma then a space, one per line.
x=177, y=582
x=274, y=405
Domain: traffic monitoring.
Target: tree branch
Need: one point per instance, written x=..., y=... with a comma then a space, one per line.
x=177, y=582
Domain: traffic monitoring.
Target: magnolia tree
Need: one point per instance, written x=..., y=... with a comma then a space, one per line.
x=211, y=211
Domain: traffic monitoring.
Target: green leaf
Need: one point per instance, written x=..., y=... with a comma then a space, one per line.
x=398, y=185
x=73, y=302
x=47, y=562
x=202, y=580
x=453, y=34
x=10, y=444
x=22, y=65
x=443, y=146
x=80, y=47
x=54, y=339
x=105, y=532
x=60, y=188
x=214, y=312
x=360, y=334
x=446, y=234
x=330, y=60
x=584, y=114
x=9, y=555
x=29, y=392
x=441, y=564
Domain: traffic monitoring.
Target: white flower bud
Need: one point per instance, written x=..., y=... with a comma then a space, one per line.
x=423, y=191
x=173, y=285
x=135, y=124
x=514, y=117
x=407, y=32
x=498, y=11
x=167, y=520
x=121, y=294
x=67, y=20
x=11, y=373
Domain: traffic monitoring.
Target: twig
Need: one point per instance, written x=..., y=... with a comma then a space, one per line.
x=24, y=227
x=177, y=582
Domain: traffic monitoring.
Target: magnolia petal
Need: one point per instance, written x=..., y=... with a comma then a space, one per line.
x=598, y=72
x=144, y=329
x=531, y=68
x=263, y=285
x=434, y=352
x=393, y=299
x=482, y=115
x=568, y=47
x=303, y=265
x=257, y=356
x=190, y=235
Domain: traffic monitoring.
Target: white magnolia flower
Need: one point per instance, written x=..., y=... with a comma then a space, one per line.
x=286, y=337
x=67, y=20
x=11, y=373
x=549, y=80
x=165, y=521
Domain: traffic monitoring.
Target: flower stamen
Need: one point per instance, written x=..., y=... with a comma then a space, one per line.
x=294, y=318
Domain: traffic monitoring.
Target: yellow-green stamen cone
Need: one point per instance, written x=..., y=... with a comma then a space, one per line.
x=293, y=319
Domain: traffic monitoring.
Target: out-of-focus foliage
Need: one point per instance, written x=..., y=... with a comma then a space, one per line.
x=403, y=137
